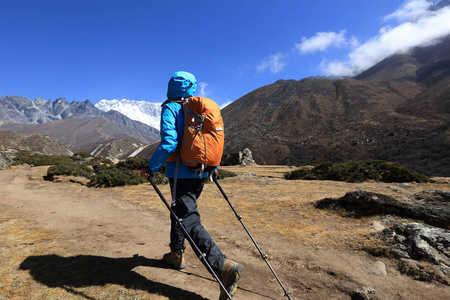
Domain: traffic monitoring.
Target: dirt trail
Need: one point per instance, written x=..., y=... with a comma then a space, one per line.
x=103, y=227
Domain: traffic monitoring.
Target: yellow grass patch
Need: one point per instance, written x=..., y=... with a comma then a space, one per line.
x=270, y=205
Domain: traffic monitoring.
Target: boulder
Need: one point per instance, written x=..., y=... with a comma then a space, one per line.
x=378, y=268
x=364, y=293
x=430, y=207
x=247, y=157
x=423, y=250
x=6, y=159
x=242, y=158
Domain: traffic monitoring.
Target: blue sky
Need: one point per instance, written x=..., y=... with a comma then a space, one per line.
x=129, y=49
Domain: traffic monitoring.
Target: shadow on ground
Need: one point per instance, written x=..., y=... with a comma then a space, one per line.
x=87, y=270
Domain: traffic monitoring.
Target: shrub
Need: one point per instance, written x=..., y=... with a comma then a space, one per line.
x=100, y=167
x=123, y=174
x=358, y=172
x=80, y=156
x=132, y=162
x=24, y=157
x=114, y=176
x=222, y=174
x=93, y=161
x=69, y=169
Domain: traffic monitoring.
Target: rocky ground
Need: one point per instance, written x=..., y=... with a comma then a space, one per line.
x=63, y=240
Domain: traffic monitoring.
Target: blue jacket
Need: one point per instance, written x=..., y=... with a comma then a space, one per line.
x=181, y=84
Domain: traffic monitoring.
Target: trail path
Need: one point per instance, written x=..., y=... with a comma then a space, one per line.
x=101, y=227
x=97, y=222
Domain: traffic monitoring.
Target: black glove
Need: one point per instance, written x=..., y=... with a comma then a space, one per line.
x=145, y=172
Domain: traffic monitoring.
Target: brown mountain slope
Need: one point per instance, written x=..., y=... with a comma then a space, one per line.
x=116, y=148
x=288, y=118
x=34, y=143
x=396, y=67
x=80, y=134
x=403, y=119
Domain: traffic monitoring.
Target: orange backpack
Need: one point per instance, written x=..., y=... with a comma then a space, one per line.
x=203, y=136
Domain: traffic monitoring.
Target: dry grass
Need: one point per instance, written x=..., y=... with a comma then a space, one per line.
x=270, y=207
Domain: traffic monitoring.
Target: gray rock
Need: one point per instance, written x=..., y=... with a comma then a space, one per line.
x=378, y=268
x=420, y=242
x=414, y=243
x=363, y=293
x=242, y=158
x=432, y=208
x=6, y=159
x=247, y=158
x=377, y=226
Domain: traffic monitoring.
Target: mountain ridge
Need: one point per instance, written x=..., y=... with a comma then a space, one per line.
x=75, y=124
x=397, y=110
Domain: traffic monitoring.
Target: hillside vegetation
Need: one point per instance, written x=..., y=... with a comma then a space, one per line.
x=99, y=171
x=358, y=172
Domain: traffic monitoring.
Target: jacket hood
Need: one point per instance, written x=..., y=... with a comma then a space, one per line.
x=181, y=84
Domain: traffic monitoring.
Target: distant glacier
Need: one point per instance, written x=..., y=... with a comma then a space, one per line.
x=142, y=111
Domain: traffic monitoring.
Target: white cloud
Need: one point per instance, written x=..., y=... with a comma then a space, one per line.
x=321, y=42
x=228, y=102
x=274, y=63
x=409, y=10
x=202, y=86
x=426, y=30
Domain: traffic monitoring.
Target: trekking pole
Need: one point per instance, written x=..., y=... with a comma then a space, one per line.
x=202, y=256
x=286, y=293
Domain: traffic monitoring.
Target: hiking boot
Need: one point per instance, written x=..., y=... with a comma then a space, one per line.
x=231, y=272
x=175, y=259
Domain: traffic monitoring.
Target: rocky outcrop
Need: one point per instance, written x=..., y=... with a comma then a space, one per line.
x=364, y=293
x=242, y=158
x=430, y=207
x=423, y=250
x=12, y=142
x=15, y=141
x=247, y=157
x=118, y=149
x=6, y=159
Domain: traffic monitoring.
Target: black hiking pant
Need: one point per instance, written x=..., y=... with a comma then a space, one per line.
x=185, y=207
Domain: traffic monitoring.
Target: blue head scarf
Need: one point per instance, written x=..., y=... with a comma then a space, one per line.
x=181, y=84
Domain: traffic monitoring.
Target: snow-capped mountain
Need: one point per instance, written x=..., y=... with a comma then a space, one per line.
x=78, y=125
x=142, y=111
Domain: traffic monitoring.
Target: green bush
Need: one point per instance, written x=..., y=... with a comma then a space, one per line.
x=123, y=174
x=98, y=161
x=24, y=157
x=358, y=172
x=69, y=169
x=132, y=162
x=222, y=174
x=100, y=167
x=80, y=156
x=115, y=177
